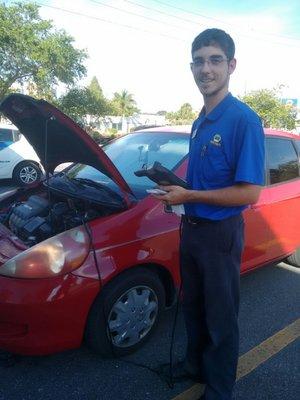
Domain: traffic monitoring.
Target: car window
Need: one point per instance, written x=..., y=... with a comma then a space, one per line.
x=137, y=151
x=9, y=135
x=6, y=135
x=298, y=145
x=282, y=160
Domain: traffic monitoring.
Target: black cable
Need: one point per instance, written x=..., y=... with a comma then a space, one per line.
x=158, y=370
x=173, y=337
x=51, y=118
x=89, y=233
x=171, y=383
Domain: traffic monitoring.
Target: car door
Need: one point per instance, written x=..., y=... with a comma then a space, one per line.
x=258, y=237
x=284, y=192
x=270, y=224
x=7, y=155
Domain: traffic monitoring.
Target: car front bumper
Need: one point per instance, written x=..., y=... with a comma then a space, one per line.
x=42, y=316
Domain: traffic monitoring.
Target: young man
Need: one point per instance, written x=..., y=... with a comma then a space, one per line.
x=225, y=174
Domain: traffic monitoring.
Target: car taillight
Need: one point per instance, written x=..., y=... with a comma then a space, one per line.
x=55, y=256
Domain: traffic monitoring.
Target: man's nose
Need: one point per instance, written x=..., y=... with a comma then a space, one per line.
x=206, y=67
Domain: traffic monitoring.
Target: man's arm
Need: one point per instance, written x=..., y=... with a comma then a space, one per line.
x=236, y=195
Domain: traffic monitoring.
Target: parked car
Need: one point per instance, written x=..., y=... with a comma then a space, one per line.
x=89, y=254
x=18, y=160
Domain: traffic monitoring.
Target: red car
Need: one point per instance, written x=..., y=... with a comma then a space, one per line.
x=87, y=253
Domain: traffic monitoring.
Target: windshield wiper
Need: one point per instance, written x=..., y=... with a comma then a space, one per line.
x=73, y=181
x=89, y=182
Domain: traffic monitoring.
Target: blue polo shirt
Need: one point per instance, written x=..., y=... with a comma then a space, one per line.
x=226, y=148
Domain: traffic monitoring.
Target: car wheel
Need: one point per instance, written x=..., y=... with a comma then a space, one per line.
x=26, y=173
x=125, y=313
x=294, y=259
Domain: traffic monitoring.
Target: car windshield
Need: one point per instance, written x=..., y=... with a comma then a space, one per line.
x=137, y=151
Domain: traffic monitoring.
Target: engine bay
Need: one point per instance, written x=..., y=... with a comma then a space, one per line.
x=42, y=216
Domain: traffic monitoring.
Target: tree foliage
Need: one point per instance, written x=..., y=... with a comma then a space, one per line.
x=34, y=53
x=124, y=104
x=161, y=112
x=85, y=105
x=184, y=116
x=268, y=106
x=95, y=89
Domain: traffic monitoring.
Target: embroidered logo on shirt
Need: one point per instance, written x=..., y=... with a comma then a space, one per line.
x=216, y=140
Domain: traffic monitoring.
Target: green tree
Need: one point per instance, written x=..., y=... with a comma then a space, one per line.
x=184, y=116
x=124, y=104
x=34, y=54
x=95, y=88
x=82, y=105
x=97, y=105
x=86, y=105
x=75, y=104
x=274, y=114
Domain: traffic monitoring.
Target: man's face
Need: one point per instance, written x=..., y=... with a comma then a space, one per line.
x=211, y=70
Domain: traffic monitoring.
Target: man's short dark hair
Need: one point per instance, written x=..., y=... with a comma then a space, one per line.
x=215, y=37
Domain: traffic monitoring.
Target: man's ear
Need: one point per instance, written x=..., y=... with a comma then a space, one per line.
x=231, y=66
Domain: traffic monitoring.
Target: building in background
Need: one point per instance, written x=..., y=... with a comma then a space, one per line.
x=124, y=125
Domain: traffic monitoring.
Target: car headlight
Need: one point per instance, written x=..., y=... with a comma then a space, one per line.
x=55, y=256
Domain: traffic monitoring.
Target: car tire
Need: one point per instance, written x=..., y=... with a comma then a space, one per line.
x=294, y=259
x=125, y=313
x=26, y=173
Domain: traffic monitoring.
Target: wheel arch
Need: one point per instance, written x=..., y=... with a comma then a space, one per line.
x=25, y=161
x=167, y=281
x=161, y=272
x=98, y=340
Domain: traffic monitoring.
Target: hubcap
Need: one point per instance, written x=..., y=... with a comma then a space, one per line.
x=132, y=316
x=28, y=174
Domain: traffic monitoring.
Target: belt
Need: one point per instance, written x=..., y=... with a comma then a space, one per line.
x=202, y=221
x=197, y=220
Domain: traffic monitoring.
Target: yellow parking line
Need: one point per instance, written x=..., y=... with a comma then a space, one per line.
x=254, y=357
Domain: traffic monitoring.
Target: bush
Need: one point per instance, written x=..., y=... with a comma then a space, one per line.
x=97, y=136
x=103, y=138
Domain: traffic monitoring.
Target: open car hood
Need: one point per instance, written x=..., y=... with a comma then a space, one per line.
x=57, y=139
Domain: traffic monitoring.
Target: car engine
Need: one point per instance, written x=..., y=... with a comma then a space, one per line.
x=37, y=219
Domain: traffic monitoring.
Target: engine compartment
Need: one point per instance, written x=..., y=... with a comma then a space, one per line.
x=42, y=216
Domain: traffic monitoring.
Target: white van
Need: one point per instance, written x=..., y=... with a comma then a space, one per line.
x=18, y=160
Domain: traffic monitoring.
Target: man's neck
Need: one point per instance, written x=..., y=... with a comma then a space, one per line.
x=210, y=102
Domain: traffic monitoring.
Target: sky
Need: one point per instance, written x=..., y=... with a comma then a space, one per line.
x=143, y=46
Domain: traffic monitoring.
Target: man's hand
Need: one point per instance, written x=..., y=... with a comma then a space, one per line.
x=175, y=195
x=236, y=195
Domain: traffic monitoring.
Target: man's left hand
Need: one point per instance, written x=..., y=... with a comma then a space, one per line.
x=175, y=195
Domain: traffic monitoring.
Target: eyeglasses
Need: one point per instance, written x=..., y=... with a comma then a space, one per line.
x=214, y=61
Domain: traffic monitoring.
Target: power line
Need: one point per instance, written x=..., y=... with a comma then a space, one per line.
x=135, y=14
x=219, y=20
x=162, y=12
x=189, y=12
x=110, y=22
x=196, y=23
x=155, y=32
